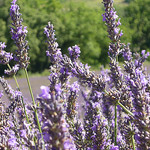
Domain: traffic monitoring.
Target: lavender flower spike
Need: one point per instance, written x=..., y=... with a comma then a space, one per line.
x=112, y=21
x=13, y=70
x=7, y=88
x=19, y=32
x=53, y=51
x=4, y=56
x=74, y=52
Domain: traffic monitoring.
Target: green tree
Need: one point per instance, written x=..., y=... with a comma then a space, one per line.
x=74, y=22
x=139, y=19
x=83, y=26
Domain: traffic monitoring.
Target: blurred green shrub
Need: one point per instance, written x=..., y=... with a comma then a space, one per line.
x=138, y=14
x=75, y=23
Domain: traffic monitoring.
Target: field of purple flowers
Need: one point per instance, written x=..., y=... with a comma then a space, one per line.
x=116, y=104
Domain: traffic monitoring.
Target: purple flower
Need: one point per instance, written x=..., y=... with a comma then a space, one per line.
x=3, y=45
x=14, y=1
x=74, y=52
x=69, y=145
x=115, y=16
x=121, y=33
x=75, y=87
x=45, y=92
x=12, y=142
x=116, y=30
x=118, y=23
x=104, y=18
x=58, y=89
x=46, y=137
x=113, y=147
x=53, y=51
x=143, y=53
x=23, y=133
x=19, y=33
x=4, y=56
x=13, y=70
x=7, y=88
x=1, y=94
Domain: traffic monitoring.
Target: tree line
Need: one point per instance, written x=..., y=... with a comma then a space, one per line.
x=75, y=23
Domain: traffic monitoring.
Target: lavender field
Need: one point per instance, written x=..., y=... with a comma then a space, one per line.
x=46, y=113
x=37, y=82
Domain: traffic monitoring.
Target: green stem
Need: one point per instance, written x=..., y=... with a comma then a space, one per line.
x=126, y=110
x=115, y=124
x=118, y=103
x=21, y=96
x=34, y=104
x=14, y=77
x=132, y=138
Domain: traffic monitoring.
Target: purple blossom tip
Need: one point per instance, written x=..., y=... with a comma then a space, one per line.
x=104, y=18
x=14, y=1
x=121, y=33
x=118, y=23
x=143, y=52
x=116, y=30
x=23, y=133
x=74, y=51
x=2, y=45
x=58, y=89
x=75, y=87
x=113, y=147
x=1, y=94
x=45, y=92
x=12, y=142
x=115, y=16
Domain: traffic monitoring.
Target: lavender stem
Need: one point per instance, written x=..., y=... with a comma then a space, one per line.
x=21, y=97
x=127, y=111
x=35, y=110
x=14, y=77
x=132, y=138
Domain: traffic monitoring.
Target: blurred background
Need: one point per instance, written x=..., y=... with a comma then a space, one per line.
x=76, y=22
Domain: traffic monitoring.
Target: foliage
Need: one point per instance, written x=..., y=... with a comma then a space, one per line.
x=139, y=19
x=74, y=23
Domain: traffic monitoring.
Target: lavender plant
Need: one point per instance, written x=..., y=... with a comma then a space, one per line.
x=116, y=102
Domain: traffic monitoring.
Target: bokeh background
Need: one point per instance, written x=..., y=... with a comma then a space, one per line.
x=76, y=22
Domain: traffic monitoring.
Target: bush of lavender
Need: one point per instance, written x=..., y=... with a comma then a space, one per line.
x=116, y=102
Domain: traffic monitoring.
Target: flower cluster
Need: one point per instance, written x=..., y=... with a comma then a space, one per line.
x=19, y=32
x=109, y=111
x=5, y=57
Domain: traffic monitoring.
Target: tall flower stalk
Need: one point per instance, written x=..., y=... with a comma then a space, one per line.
x=116, y=75
x=19, y=32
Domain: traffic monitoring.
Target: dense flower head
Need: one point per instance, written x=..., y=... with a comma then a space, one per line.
x=74, y=52
x=53, y=51
x=113, y=147
x=112, y=21
x=13, y=70
x=7, y=88
x=58, y=89
x=1, y=94
x=45, y=92
x=19, y=33
x=5, y=57
x=75, y=87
